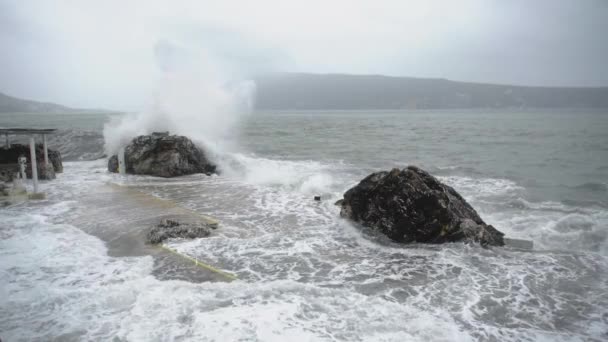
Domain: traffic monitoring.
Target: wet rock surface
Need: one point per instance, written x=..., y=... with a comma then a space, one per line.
x=163, y=155
x=168, y=229
x=410, y=205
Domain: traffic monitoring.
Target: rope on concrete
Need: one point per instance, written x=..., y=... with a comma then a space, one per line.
x=200, y=263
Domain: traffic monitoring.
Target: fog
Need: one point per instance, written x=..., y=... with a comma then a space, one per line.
x=116, y=54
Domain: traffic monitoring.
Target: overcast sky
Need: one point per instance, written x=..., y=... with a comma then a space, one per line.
x=112, y=53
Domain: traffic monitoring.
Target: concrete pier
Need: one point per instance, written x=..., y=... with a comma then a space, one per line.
x=121, y=215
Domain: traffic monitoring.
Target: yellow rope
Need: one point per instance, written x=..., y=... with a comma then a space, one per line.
x=200, y=263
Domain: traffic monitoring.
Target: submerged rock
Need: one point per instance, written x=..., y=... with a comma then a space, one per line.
x=113, y=164
x=410, y=205
x=12, y=154
x=163, y=155
x=168, y=229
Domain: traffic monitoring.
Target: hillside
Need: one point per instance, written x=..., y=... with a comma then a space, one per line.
x=336, y=91
x=12, y=104
x=285, y=91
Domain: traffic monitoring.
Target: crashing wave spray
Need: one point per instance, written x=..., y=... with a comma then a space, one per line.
x=197, y=97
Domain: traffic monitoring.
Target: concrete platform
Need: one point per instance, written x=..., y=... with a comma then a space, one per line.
x=120, y=216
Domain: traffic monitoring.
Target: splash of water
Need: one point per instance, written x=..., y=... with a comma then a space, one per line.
x=197, y=97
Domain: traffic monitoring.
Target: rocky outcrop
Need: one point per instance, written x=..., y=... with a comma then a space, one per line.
x=163, y=155
x=168, y=229
x=113, y=164
x=12, y=154
x=55, y=159
x=410, y=205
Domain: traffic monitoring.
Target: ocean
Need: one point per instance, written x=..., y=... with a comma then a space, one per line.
x=304, y=274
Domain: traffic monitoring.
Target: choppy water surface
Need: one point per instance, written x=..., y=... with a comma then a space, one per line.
x=304, y=274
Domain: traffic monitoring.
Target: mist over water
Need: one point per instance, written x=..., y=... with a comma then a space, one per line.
x=197, y=96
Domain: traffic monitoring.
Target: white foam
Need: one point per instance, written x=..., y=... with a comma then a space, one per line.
x=475, y=188
x=304, y=273
x=553, y=225
x=57, y=280
x=264, y=171
x=81, y=292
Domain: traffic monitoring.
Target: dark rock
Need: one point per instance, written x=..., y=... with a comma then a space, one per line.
x=44, y=171
x=55, y=159
x=410, y=205
x=163, y=155
x=168, y=229
x=10, y=156
x=113, y=163
x=8, y=172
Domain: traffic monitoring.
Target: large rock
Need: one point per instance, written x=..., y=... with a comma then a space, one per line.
x=410, y=205
x=163, y=155
x=11, y=155
x=168, y=229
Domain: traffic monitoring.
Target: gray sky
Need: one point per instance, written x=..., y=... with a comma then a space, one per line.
x=113, y=53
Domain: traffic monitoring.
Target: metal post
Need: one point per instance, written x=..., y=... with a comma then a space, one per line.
x=8, y=142
x=33, y=162
x=46, y=151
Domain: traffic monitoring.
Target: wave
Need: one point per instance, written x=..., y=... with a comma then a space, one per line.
x=577, y=232
x=593, y=186
x=549, y=206
x=450, y=169
x=495, y=199
x=475, y=188
x=303, y=272
x=552, y=225
x=48, y=280
x=306, y=176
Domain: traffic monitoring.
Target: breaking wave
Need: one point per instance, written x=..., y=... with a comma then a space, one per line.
x=304, y=274
x=593, y=186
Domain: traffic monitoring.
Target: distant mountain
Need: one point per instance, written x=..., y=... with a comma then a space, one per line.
x=337, y=91
x=13, y=104
x=9, y=104
x=299, y=91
